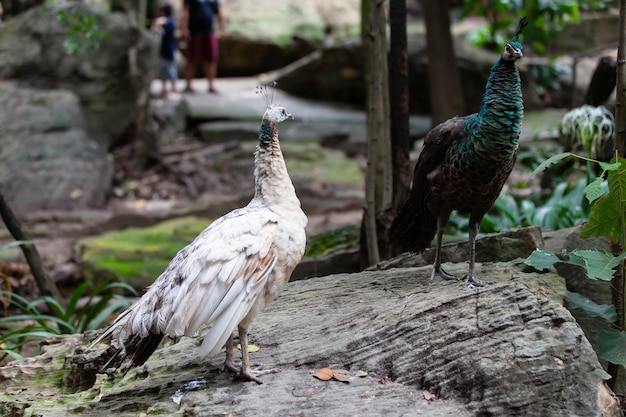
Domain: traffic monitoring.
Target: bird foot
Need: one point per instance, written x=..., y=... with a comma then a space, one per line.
x=471, y=281
x=443, y=274
x=251, y=373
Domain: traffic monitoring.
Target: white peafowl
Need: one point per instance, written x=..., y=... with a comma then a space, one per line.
x=227, y=275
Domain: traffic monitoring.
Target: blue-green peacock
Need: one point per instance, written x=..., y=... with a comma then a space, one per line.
x=463, y=165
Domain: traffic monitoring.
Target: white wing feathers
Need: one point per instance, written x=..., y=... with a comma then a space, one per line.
x=215, y=280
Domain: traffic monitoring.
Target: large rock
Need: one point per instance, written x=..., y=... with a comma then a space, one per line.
x=509, y=349
x=59, y=137
x=264, y=35
x=336, y=73
x=47, y=158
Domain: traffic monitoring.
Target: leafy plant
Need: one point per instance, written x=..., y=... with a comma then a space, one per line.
x=565, y=207
x=547, y=19
x=608, y=218
x=588, y=128
x=547, y=74
x=82, y=31
x=76, y=317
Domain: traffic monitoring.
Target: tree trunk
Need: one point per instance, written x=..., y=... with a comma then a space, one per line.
x=378, y=179
x=620, y=99
x=446, y=93
x=617, y=283
x=146, y=147
x=399, y=96
x=45, y=284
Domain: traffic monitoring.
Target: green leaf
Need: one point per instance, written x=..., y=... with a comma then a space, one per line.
x=575, y=259
x=76, y=295
x=610, y=166
x=594, y=190
x=608, y=217
x=599, y=264
x=541, y=259
x=612, y=346
x=552, y=160
x=11, y=353
x=605, y=311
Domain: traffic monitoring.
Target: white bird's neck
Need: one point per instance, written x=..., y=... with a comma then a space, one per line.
x=273, y=186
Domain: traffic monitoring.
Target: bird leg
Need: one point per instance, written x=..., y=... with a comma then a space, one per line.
x=470, y=279
x=437, y=269
x=244, y=369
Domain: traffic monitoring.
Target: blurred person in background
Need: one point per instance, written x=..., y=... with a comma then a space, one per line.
x=165, y=26
x=197, y=26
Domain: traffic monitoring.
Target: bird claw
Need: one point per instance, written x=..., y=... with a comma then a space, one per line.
x=251, y=373
x=471, y=282
x=443, y=274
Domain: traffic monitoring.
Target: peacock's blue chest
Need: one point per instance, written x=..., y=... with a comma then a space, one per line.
x=489, y=148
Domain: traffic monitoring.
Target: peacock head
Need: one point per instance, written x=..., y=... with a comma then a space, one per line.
x=276, y=113
x=512, y=51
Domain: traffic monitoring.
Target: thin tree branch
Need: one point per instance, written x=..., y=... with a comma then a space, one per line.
x=44, y=282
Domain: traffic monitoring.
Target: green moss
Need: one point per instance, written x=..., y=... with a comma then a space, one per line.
x=138, y=256
x=325, y=242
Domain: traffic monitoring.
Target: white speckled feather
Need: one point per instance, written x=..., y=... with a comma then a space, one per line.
x=233, y=268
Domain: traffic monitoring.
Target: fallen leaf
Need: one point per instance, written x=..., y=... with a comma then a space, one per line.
x=429, y=396
x=308, y=390
x=251, y=348
x=139, y=203
x=324, y=374
x=47, y=393
x=361, y=374
x=341, y=375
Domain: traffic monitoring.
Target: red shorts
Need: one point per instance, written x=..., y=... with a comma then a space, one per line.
x=202, y=47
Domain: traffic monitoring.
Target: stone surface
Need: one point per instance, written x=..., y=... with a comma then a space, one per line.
x=336, y=72
x=596, y=28
x=32, y=50
x=264, y=35
x=497, y=247
x=507, y=349
x=577, y=281
x=47, y=157
x=62, y=111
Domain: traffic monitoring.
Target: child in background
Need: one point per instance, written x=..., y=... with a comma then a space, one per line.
x=165, y=26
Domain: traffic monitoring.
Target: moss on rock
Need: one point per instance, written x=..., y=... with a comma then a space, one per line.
x=138, y=255
x=331, y=240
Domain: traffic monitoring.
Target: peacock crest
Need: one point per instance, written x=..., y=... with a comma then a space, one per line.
x=513, y=48
x=274, y=113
